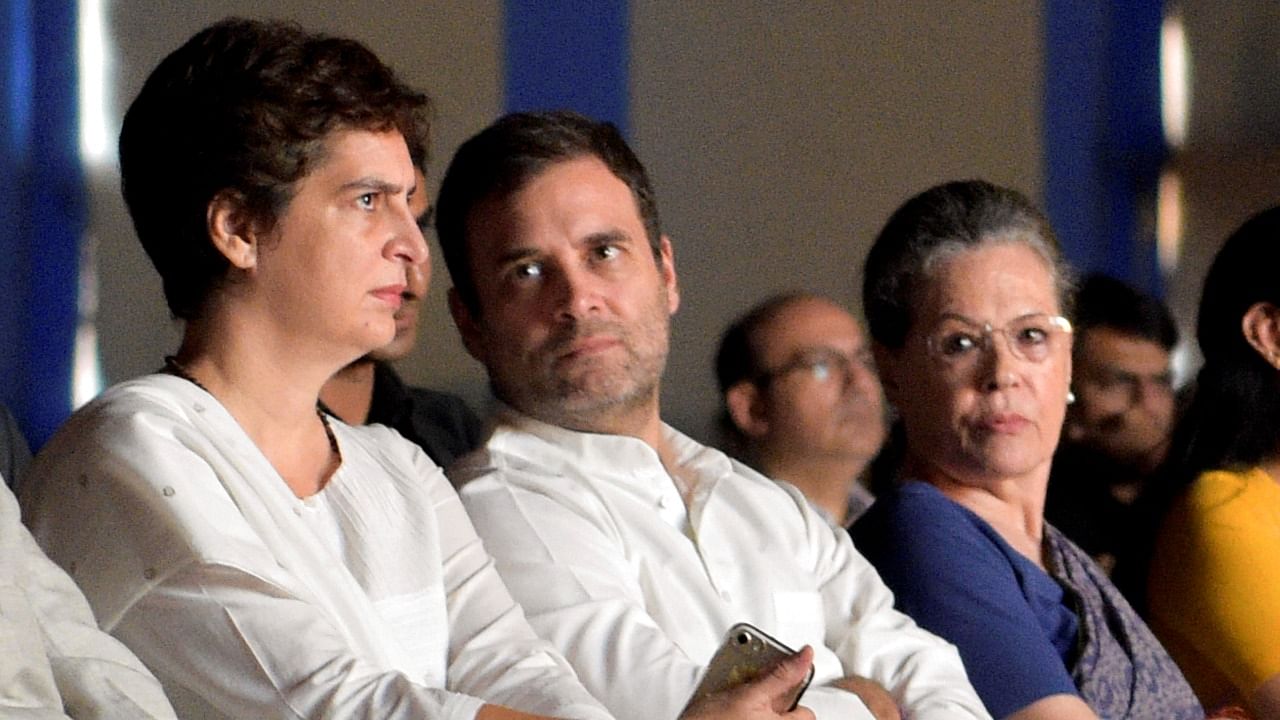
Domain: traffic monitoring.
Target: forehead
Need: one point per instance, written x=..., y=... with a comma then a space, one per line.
x=1109, y=347
x=807, y=323
x=990, y=283
x=571, y=198
x=347, y=154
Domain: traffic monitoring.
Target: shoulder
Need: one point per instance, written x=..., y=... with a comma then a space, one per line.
x=1230, y=491
x=914, y=513
x=134, y=413
x=915, y=530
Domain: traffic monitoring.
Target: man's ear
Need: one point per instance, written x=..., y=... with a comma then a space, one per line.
x=231, y=230
x=887, y=367
x=667, y=267
x=468, y=327
x=1261, y=326
x=745, y=404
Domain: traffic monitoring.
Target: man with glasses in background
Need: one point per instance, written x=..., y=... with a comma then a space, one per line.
x=802, y=399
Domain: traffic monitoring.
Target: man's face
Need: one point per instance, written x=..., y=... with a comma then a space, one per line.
x=417, y=279
x=573, y=307
x=820, y=395
x=1124, y=396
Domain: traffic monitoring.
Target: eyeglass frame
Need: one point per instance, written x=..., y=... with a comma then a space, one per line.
x=986, y=331
x=810, y=358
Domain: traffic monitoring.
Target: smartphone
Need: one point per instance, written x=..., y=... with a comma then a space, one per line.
x=746, y=653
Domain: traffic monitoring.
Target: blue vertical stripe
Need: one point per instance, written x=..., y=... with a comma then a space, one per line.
x=568, y=54
x=1103, y=141
x=44, y=214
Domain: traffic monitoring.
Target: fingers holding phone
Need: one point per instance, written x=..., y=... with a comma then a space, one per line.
x=769, y=696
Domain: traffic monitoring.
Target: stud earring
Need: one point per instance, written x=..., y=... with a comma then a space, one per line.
x=1071, y=397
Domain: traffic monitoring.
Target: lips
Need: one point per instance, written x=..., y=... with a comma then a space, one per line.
x=392, y=295
x=1004, y=423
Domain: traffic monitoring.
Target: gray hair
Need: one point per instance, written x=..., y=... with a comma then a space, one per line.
x=935, y=226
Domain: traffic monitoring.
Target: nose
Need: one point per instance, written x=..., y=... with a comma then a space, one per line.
x=578, y=295
x=1152, y=394
x=860, y=374
x=407, y=243
x=1000, y=364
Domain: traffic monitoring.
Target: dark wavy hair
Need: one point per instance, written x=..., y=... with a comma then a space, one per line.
x=937, y=224
x=1105, y=302
x=1234, y=417
x=245, y=107
x=505, y=156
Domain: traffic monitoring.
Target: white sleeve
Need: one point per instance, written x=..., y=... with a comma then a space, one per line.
x=62, y=662
x=249, y=649
x=923, y=672
x=493, y=652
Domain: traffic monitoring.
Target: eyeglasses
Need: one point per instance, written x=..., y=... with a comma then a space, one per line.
x=822, y=364
x=958, y=343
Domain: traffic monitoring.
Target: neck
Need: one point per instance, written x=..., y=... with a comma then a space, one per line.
x=349, y=393
x=270, y=386
x=1014, y=506
x=826, y=481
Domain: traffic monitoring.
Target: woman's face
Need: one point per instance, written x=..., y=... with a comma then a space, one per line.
x=336, y=270
x=981, y=382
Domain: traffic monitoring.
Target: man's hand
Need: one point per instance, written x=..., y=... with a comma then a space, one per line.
x=876, y=698
x=765, y=698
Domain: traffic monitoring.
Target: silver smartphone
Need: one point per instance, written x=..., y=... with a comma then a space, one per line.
x=746, y=653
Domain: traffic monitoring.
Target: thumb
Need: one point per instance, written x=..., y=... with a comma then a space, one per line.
x=785, y=676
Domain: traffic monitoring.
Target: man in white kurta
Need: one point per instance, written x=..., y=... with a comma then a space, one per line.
x=631, y=547
x=54, y=661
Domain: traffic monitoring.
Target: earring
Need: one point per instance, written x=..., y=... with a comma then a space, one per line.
x=1071, y=397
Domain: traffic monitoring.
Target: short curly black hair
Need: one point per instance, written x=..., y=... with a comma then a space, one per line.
x=245, y=107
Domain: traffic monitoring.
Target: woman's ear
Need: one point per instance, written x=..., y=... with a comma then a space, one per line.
x=1261, y=326
x=745, y=404
x=231, y=230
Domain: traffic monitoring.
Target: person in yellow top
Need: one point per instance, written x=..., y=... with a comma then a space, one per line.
x=1213, y=589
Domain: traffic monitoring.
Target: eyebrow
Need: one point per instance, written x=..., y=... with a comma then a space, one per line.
x=372, y=183
x=606, y=237
x=971, y=321
x=515, y=255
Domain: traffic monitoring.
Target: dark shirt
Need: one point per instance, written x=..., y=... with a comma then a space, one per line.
x=1081, y=505
x=14, y=453
x=440, y=423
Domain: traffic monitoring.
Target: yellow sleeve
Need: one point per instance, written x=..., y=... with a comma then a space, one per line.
x=1215, y=580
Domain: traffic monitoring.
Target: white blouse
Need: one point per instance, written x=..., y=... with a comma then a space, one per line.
x=373, y=598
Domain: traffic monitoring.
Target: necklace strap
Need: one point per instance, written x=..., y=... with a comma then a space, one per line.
x=177, y=369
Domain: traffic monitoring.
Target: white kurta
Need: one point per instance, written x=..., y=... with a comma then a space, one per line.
x=373, y=598
x=592, y=537
x=54, y=661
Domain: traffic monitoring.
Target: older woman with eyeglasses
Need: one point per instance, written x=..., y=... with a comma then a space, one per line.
x=966, y=295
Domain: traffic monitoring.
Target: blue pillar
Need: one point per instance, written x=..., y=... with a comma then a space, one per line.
x=570, y=54
x=44, y=206
x=1103, y=140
